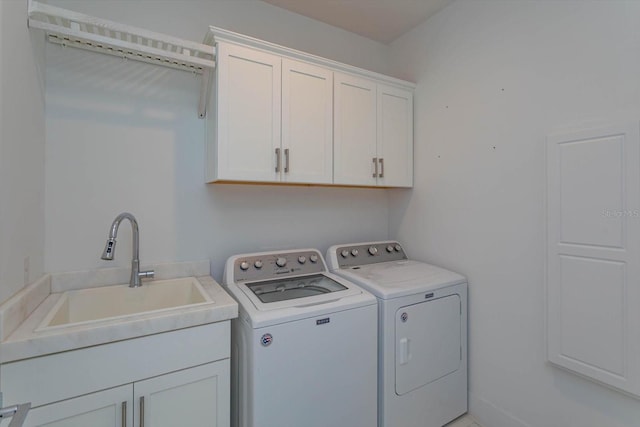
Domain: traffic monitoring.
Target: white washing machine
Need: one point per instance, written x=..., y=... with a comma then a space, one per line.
x=304, y=347
x=422, y=351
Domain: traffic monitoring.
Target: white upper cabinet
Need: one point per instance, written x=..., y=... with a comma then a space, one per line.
x=373, y=133
x=246, y=125
x=395, y=137
x=307, y=123
x=283, y=116
x=273, y=119
x=355, y=160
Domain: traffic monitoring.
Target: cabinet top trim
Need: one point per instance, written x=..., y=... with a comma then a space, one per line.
x=216, y=34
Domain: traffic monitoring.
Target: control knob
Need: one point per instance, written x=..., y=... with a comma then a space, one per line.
x=281, y=262
x=302, y=259
x=373, y=250
x=313, y=258
x=344, y=253
x=244, y=265
x=258, y=264
x=354, y=252
x=389, y=248
x=397, y=248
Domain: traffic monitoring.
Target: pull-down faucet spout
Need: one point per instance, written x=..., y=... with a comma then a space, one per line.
x=110, y=249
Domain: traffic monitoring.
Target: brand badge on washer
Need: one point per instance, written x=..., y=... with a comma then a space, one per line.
x=404, y=316
x=266, y=340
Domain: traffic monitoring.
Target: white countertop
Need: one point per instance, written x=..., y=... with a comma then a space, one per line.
x=21, y=315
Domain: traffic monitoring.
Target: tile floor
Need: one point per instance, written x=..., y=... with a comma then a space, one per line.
x=464, y=421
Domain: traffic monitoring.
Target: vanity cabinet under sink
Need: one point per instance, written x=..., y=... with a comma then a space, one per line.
x=187, y=398
x=149, y=381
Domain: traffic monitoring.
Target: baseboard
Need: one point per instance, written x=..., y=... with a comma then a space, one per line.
x=489, y=415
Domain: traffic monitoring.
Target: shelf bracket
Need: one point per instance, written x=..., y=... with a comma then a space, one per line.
x=205, y=89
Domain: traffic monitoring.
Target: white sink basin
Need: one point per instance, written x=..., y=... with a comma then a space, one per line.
x=113, y=302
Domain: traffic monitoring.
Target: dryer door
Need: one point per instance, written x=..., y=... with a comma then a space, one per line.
x=428, y=342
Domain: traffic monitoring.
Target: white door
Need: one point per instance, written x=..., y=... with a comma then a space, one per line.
x=428, y=342
x=593, y=253
x=108, y=408
x=395, y=137
x=247, y=123
x=355, y=159
x=194, y=397
x=307, y=123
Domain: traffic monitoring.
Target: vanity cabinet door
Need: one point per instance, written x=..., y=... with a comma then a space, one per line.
x=194, y=397
x=108, y=408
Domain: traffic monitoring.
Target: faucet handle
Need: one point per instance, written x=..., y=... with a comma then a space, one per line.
x=149, y=274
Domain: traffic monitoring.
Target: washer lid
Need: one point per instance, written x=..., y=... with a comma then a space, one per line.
x=294, y=287
x=299, y=291
x=400, y=278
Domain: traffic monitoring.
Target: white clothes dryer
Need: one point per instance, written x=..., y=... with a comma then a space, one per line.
x=422, y=315
x=304, y=346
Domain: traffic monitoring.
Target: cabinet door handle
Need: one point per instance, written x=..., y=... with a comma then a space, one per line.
x=141, y=411
x=381, y=160
x=277, y=160
x=375, y=167
x=286, y=160
x=124, y=414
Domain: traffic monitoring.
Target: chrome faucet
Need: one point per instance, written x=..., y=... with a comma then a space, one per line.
x=110, y=249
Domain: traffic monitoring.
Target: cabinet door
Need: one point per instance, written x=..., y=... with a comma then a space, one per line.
x=195, y=397
x=354, y=130
x=395, y=137
x=307, y=123
x=247, y=123
x=108, y=408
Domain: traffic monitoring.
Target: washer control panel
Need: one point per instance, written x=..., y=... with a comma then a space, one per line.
x=277, y=264
x=369, y=253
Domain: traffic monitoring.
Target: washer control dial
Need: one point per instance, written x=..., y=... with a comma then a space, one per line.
x=373, y=250
x=313, y=258
x=281, y=262
x=244, y=265
x=397, y=248
x=302, y=259
x=344, y=253
x=389, y=248
x=354, y=252
x=258, y=264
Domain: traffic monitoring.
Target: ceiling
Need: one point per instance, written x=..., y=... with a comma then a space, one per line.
x=381, y=20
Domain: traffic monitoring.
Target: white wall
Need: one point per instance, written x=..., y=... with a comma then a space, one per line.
x=124, y=136
x=21, y=152
x=190, y=19
x=494, y=77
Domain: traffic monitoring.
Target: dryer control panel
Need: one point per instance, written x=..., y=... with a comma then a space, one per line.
x=271, y=265
x=367, y=253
